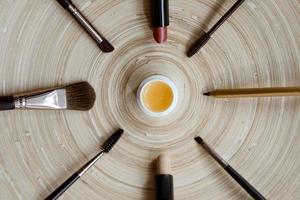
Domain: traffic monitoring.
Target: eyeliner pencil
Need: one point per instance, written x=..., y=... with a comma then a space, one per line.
x=255, y=92
x=206, y=36
x=102, y=43
x=106, y=147
x=234, y=174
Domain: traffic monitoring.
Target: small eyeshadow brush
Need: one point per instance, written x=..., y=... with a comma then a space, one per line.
x=234, y=174
x=78, y=96
x=106, y=147
x=206, y=36
x=102, y=43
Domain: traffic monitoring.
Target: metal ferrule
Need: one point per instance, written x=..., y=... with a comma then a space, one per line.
x=90, y=164
x=55, y=99
x=85, y=23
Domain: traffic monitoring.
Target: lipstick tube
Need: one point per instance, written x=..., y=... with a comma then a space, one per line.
x=160, y=19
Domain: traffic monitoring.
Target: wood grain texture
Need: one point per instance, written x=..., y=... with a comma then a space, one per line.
x=41, y=46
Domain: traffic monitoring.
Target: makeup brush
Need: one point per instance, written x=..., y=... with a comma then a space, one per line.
x=102, y=43
x=78, y=96
x=106, y=147
x=234, y=174
x=206, y=36
x=255, y=92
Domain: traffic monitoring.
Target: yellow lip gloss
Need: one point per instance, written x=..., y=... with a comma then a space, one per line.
x=157, y=96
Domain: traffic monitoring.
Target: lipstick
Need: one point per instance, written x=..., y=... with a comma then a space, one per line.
x=160, y=19
x=164, y=179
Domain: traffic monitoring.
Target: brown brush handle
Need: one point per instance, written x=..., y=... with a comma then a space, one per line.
x=244, y=183
x=7, y=103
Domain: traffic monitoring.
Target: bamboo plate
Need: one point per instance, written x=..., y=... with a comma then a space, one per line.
x=41, y=45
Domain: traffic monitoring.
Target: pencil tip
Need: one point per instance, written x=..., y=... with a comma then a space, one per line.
x=206, y=94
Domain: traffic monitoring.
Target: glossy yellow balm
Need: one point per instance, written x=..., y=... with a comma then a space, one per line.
x=157, y=96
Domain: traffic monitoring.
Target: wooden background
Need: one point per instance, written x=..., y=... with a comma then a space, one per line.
x=41, y=46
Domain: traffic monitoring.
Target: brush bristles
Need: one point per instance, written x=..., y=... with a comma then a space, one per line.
x=105, y=46
x=199, y=140
x=80, y=96
x=112, y=140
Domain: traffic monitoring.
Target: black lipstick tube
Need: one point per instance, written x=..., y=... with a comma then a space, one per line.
x=160, y=13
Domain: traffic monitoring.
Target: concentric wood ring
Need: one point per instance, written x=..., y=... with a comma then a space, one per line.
x=41, y=45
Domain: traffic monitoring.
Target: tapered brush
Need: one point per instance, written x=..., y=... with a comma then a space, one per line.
x=206, y=36
x=78, y=96
x=102, y=43
x=231, y=171
x=106, y=147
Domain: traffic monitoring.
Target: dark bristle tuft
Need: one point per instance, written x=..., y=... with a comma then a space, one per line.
x=198, y=45
x=106, y=47
x=192, y=51
x=80, y=96
x=206, y=94
x=199, y=140
x=112, y=140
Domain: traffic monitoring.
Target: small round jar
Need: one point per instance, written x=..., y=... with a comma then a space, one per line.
x=157, y=96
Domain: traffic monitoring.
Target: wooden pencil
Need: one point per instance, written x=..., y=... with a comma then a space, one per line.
x=255, y=92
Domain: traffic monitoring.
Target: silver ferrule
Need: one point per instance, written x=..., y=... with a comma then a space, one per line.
x=55, y=99
x=85, y=23
x=90, y=164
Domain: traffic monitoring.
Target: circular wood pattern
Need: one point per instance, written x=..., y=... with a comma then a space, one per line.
x=41, y=46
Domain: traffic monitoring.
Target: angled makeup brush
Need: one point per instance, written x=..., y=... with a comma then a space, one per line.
x=106, y=147
x=234, y=174
x=78, y=96
x=255, y=92
x=102, y=43
x=206, y=36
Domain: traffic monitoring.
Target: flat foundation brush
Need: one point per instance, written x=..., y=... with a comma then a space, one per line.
x=102, y=43
x=78, y=96
x=234, y=174
x=106, y=147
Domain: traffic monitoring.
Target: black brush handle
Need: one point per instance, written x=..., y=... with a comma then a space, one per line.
x=63, y=187
x=64, y=3
x=244, y=183
x=7, y=103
